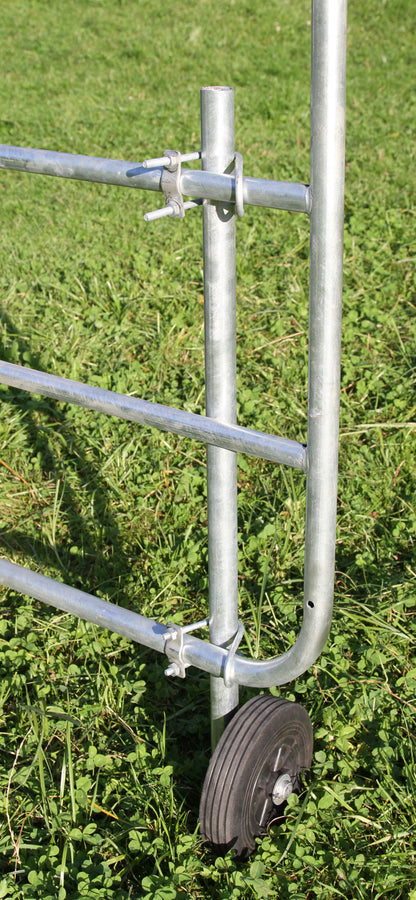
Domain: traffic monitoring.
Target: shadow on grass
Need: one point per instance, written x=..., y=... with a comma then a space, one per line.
x=101, y=565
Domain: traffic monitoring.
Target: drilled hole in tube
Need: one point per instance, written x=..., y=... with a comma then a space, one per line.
x=311, y=604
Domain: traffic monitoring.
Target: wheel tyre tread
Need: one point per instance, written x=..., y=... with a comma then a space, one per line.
x=221, y=794
x=238, y=734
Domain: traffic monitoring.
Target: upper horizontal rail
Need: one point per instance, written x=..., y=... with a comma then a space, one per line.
x=194, y=183
x=165, y=418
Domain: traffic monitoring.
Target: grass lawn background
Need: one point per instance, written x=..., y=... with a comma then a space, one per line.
x=100, y=789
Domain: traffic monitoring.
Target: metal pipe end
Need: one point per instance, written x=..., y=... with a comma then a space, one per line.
x=217, y=87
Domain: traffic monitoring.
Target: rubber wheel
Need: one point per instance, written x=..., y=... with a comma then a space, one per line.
x=267, y=738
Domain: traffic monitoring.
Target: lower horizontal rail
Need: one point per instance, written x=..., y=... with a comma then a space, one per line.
x=85, y=606
x=194, y=182
x=201, y=654
x=165, y=418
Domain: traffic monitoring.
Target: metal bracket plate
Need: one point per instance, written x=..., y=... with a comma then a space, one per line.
x=171, y=184
x=174, y=646
x=174, y=651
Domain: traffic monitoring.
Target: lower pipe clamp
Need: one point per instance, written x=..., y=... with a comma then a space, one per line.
x=228, y=671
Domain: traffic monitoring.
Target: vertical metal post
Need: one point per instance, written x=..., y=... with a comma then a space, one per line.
x=329, y=26
x=217, y=144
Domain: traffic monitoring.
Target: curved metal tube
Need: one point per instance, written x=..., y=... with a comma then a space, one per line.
x=201, y=654
x=326, y=199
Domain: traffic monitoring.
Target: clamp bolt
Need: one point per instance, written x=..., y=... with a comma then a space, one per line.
x=171, y=209
x=167, y=160
x=172, y=670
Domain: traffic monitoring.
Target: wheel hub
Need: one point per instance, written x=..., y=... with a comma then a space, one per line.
x=282, y=789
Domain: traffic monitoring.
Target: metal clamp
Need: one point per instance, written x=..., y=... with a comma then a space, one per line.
x=171, y=184
x=174, y=646
x=239, y=184
x=228, y=671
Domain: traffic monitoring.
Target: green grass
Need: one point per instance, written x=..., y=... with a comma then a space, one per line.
x=99, y=786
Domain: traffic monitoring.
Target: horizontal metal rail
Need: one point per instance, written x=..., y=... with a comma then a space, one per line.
x=165, y=418
x=194, y=183
x=201, y=654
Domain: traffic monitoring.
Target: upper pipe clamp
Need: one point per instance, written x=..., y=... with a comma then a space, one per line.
x=239, y=185
x=170, y=183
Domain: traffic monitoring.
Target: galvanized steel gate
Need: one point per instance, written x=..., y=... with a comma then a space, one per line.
x=223, y=196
